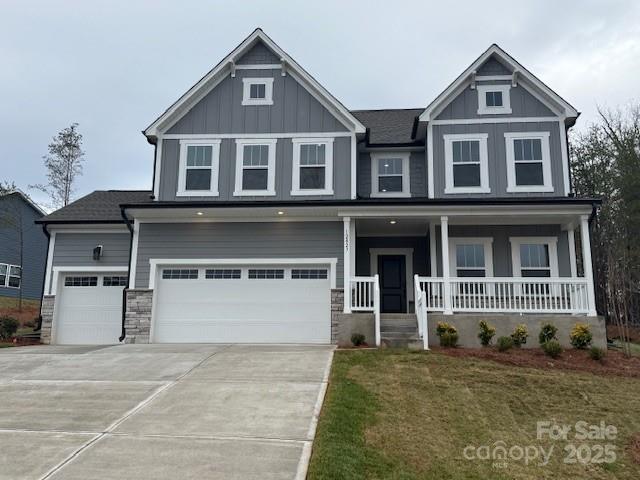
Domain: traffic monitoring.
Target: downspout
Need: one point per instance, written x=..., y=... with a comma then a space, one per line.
x=123, y=333
x=44, y=277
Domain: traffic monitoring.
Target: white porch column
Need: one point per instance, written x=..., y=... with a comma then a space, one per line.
x=433, y=256
x=587, y=263
x=572, y=251
x=347, y=264
x=444, y=237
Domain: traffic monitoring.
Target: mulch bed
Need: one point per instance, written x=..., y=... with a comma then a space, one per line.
x=634, y=448
x=615, y=363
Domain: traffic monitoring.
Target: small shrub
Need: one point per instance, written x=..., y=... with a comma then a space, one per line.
x=505, y=343
x=447, y=333
x=8, y=327
x=547, y=332
x=519, y=335
x=597, y=353
x=486, y=333
x=552, y=348
x=581, y=335
x=449, y=339
x=357, y=339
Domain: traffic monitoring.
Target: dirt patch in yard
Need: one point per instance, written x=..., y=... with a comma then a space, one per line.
x=615, y=363
x=29, y=312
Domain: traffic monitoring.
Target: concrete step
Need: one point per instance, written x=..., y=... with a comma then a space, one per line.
x=390, y=327
x=397, y=334
x=412, y=343
x=397, y=316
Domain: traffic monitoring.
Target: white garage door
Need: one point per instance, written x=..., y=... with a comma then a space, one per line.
x=243, y=304
x=89, y=309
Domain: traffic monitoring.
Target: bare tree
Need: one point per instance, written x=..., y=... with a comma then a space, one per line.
x=606, y=164
x=64, y=165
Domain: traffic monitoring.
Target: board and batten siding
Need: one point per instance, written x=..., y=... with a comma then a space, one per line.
x=238, y=240
x=417, y=174
x=523, y=104
x=283, y=174
x=294, y=109
x=502, y=264
x=497, y=157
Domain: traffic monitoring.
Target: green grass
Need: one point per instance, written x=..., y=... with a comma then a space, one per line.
x=402, y=415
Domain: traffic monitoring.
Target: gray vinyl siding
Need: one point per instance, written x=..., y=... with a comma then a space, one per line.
x=76, y=249
x=283, y=175
x=294, y=109
x=16, y=215
x=523, y=104
x=497, y=158
x=258, y=54
x=493, y=67
x=417, y=172
x=238, y=240
x=502, y=265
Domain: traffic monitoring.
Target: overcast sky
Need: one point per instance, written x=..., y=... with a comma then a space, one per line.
x=114, y=66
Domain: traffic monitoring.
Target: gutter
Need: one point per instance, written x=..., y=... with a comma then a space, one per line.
x=123, y=332
x=44, y=277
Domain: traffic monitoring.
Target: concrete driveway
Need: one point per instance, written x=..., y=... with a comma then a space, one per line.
x=160, y=411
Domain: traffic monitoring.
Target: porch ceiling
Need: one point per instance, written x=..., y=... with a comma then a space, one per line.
x=405, y=227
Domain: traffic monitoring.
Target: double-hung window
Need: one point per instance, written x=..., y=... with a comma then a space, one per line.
x=390, y=175
x=199, y=167
x=10, y=275
x=312, y=166
x=471, y=258
x=534, y=256
x=257, y=91
x=466, y=161
x=494, y=99
x=255, y=167
x=528, y=162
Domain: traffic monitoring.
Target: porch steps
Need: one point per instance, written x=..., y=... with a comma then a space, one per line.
x=400, y=330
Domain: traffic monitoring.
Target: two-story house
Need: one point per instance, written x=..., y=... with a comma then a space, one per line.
x=277, y=215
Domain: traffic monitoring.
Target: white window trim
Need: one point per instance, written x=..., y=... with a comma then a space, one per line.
x=509, y=138
x=551, y=242
x=215, y=168
x=271, y=167
x=268, y=91
x=486, y=242
x=328, y=166
x=484, y=109
x=484, y=162
x=6, y=280
x=406, y=175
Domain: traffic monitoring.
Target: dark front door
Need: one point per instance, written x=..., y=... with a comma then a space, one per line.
x=393, y=283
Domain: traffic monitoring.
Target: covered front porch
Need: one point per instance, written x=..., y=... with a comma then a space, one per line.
x=499, y=260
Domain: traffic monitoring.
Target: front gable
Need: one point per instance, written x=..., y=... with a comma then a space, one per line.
x=255, y=56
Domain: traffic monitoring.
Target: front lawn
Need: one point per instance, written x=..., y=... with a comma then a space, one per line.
x=409, y=415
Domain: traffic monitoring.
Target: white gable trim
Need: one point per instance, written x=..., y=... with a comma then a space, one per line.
x=466, y=77
x=227, y=65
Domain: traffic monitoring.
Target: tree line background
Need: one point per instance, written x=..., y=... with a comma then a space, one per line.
x=605, y=163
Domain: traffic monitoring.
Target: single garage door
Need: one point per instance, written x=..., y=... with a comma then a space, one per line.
x=243, y=304
x=89, y=309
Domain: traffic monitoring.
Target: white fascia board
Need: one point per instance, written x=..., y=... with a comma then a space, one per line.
x=208, y=82
x=462, y=79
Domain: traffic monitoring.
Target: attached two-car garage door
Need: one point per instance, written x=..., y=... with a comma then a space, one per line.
x=242, y=304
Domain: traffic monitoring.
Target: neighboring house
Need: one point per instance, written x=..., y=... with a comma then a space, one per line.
x=270, y=197
x=23, y=247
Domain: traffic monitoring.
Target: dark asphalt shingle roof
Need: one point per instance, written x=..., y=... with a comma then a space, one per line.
x=99, y=206
x=389, y=126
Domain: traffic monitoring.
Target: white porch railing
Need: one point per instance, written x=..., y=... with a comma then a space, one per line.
x=365, y=297
x=421, y=312
x=506, y=294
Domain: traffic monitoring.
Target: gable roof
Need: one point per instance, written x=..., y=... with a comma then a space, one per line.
x=101, y=206
x=389, y=126
x=27, y=199
x=215, y=75
x=503, y=57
